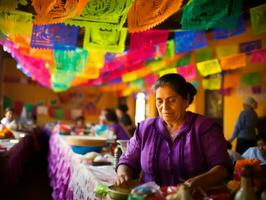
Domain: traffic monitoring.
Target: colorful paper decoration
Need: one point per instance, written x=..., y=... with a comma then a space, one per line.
x=59, y=113
x=231, y=80
x=185, y=60
x=109, y=40
x=167, y=71
x=11, y=5
x=250, y=78
x=204, y=14
x=213, y=83
x=90, y=73
x=42, y=110
x=258, y=19
x=144, y=15
x=129, y=76
x=137, y=84
x=189, y=72
x=16, y=22
x=209, y=67
x=225, y=91
x=258, y=56
x=233, y=62
x=54, y=36
x=226, y=50
x=55, y=11
x=189, y=40
x=170, y=48
x=247, y=47
x=156, y=65
x=203, y=54
x=150, y=79
x=223, y=33
x=95, y=58
x=8, y=103
x=256, y=89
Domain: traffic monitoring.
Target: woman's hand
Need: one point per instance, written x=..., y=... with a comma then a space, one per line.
x=124, y=175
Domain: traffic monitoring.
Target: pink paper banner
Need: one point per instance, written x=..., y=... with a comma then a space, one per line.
x=189, y=72
x=258, y=56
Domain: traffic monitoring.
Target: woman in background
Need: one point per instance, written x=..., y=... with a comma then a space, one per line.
x=124, y=118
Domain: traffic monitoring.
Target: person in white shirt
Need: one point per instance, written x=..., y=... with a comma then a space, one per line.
x=258, y=152
x=9, y=119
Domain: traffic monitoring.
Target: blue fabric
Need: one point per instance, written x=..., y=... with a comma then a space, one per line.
x=254, y=152
x=246, y=125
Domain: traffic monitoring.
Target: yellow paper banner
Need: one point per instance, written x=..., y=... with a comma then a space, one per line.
x=157, y=65
x=258, y=19
x=90, y=73
x=129, y=76
x=223, y=51
x=167, y=71
x=95, y=58
x=213, y=83
x=231, y=80
x=233, y=62
x=114, y=87
x=209, y=67
x=143, y=72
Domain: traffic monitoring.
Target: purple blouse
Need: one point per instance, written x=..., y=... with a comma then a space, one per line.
x=199, y=146
x=119, y=131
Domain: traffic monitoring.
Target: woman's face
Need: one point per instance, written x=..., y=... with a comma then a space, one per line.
x=9, y=115
x=170, y=105
x=262, y=146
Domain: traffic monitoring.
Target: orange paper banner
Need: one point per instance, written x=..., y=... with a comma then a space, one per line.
x=231, y=80
x=233, y=62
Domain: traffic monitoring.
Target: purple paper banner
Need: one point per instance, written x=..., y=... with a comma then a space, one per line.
x=247, y=47
x=189, y=40
x=54, y=36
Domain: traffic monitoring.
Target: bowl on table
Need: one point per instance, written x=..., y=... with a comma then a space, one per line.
x=118, y=193
x=83, y=144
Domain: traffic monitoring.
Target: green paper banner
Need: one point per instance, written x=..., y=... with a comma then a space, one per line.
x=8, y=103
x=59, y=113
x=258, y=19
x=203, y=54
x=184, y=60
x=251, y=78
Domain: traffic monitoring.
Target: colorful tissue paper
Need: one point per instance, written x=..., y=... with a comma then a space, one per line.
x=226, y=50
x=213, y=83
x=204, y=14
x=54, y=36
x=108, y=40
x=203, y=54
x=225, y=91
x=258, y=56
x=42, y=110
x=250, y=79
x=189, y=40
x=90, y=73
x=170, y=49
x=185, y=60
x=231, y=80
x=258, y=17
x=156, y=65
x=144, y=15
x=209, y=67
x=129, y=76
x=11, y=5
x=167, y=71
x=150, y=79
x=148, y=39
x=189, y=72
x=95, y=58
x=247, y=47
x=233, y=62
x=224, y=33
x=256, y=89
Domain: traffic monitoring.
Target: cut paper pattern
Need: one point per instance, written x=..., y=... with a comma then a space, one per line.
x=204, y=14
x=90, y=73
x=224, y=33
x=258, y=56
x=150, y=79
x=226, y=50
x=170, y=48
x=54, y=36
x=16, y=22
x=189, y=40
x=108, y=14
x=148, y=39
x=258, y=19
x=209, y=67
x=233, y=62
x=247, y=47
x=156, y=65
x=213, y=83
x=11, y=5
x=109, y=40
x=250, y=78
x=144, y=15
x=183, y=61
x=167, y=71
x=54, y=11
x=189, y=72
x=95, y=58
x=203, y=54
x=231, y=80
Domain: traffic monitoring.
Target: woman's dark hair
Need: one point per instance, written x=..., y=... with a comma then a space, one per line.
x=123, y=108
x=261, y=136
x=8, y=109
x=179, y=84
x=111, y=116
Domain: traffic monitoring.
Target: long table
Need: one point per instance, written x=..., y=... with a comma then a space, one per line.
x=70, y=177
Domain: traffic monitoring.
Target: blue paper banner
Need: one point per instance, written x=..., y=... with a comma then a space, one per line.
x=189, y=40
x=247, y=47
x=54, y=36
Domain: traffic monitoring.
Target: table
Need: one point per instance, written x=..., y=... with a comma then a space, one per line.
x=70, y=178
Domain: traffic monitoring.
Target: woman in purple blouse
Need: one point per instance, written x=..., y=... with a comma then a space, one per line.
x=178, y=145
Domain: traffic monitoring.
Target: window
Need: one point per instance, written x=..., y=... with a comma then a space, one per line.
x=140, y=107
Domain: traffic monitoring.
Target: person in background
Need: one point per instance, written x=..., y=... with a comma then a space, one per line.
x=113, y=124
x=102, y=119
x=178, y=145
x=245, y=128
x=233, y=155
x=124, y=118
x=79, y=126
x=259, y=151
x=9, y=119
